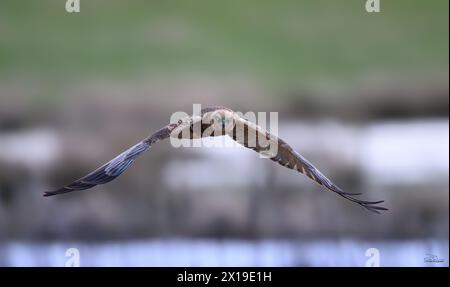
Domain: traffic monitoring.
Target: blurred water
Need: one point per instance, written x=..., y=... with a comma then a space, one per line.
x=386, y=152
x=179, y=252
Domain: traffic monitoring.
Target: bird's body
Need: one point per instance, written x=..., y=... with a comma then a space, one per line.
x=216, y=121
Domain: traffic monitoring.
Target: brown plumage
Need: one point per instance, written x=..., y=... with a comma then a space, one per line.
x=216, y=121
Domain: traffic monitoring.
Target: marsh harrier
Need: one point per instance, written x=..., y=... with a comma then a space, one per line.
x=216, y=121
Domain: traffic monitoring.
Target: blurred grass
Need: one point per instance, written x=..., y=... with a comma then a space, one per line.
x=277, y=42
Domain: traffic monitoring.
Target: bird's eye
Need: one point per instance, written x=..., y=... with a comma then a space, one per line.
x=180, y=121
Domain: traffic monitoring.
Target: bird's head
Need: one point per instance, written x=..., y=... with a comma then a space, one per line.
x=222, y=121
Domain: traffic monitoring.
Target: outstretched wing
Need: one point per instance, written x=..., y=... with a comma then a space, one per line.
x=254, y=137
x=116, y=166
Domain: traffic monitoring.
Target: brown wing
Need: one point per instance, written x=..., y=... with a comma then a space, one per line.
x=259, y=140
x=116, y=166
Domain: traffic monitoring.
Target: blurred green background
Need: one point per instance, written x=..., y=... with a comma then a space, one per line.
x=285, y=45
x=363, y=95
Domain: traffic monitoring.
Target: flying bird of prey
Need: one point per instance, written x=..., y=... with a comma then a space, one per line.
x=216, y=121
